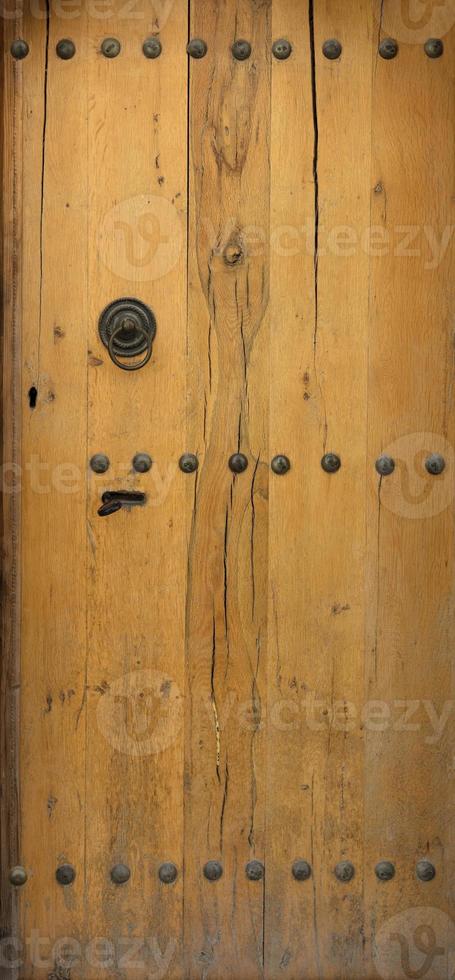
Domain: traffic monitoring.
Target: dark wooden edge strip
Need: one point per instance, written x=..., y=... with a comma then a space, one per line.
x=10, y=501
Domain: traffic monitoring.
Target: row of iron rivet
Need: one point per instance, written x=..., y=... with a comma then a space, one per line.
x=241, y=49
x=213, y=871
x=238, y=463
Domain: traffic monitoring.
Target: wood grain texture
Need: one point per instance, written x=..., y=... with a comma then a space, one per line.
x=54, y=448
x=11, y=162
x=137, y=559
x=320, y=189
x=228, y=412
x=409, y=760
x=251, y=666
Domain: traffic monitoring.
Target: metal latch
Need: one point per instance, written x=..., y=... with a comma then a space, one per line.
x=114, y=500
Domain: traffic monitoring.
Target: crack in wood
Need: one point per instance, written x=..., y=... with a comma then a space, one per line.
x=43, y=167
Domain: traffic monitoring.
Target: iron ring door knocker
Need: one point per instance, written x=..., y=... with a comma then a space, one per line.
x=127, y=328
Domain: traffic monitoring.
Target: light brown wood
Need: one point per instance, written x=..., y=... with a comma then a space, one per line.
x=137, y=561
x=228, y=345
x=319, y=304
x=251, y=666
x=409, y=642
x=53, y=461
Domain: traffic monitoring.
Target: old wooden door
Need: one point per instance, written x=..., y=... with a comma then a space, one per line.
x=228, y=708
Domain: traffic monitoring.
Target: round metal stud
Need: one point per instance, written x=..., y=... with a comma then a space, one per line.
x=188, y=463
x=280, y=465
x=99, y=463
x=344, y=871
x=425, y=870
x=65, y=874
x=197, y=48
x=168, y=873
x=385, y=871
x=241, y=50
x=385, y=465
x=110, y=47
x=238, y=463
x=301, y=870
x=388, y=48
x=66, y=49
x=152, y=47
x=435, y=464
x=330, y=463
x=281, y=49
x=434, y=47
x=18, y=875
x=19, y=49
x=120, y=873
x=332, y=49
x=142, y=462
x=254, y=870
x=213, y=870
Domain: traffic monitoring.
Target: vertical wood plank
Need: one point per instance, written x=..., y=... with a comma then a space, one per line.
x=228, y=339
x=11, y=206
x=137, y=558
x=319, y=304
x=54, y=320
x=409, y=761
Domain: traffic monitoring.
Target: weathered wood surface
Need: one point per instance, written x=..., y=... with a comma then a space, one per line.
x=252, y=666
x=228, y=344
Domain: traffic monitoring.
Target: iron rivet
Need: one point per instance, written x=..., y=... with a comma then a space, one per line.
x=142, y=462
x=241, y=50
x=99, y=463
x=331, y=463
x=19, y=49
x=254, y=870
x=435, y=464
x=66, y=49
x=65, y=874
x=434, y=47
x=110, y=47
x=281, y=49
x=18, y=875
x=168, y=873
x=197, y=48
x=388, y=48
x=344, y=871
x=152, y=47
x=301, y=870
x=213, y=870
x=385, y=465
x=281, y=465
x=188, y=463
x=385, y=871
x=332, y=49
x=238, y=463
x=120, y=873
x=425, y=870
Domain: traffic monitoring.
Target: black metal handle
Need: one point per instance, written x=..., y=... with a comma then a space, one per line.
x=143, y=334
x=127, y=328
x=114, y=500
